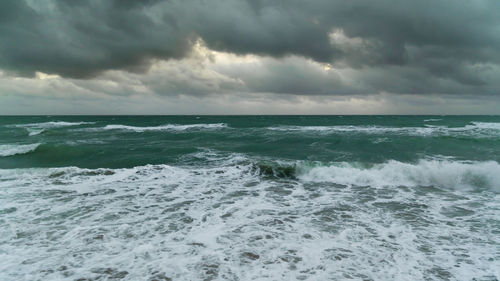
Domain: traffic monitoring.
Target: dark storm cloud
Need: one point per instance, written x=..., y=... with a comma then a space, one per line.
x=426, y=46
x=82, y=38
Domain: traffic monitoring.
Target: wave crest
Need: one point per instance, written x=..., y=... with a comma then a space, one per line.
x=439, y=173
x=474, y=129
x=14, y=149
x=52, y=124
x=168, y=127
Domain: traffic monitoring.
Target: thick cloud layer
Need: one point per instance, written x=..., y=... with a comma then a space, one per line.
x=410, y=47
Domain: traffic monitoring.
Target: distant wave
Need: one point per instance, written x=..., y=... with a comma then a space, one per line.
x=52, y=124
x=14, y=149
x=440, y=173
x=168, y=127
x=33, y=132
x=427, y=130
x=356, y=129
x=38, y=128
x=485, y=125
x=432, y=120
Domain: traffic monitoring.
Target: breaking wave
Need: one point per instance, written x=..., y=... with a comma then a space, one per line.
x=443, y=173
x=14, y=149
x=438, y=173
x=33, y=132
x=484, y=125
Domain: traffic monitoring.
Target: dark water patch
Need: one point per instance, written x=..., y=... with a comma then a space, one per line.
x=456, y=211
x=8, y=210
x=111, y=273
x=250, y=256
x=276, y=170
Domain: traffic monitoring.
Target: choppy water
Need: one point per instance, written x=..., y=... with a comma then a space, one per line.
x=250, y=198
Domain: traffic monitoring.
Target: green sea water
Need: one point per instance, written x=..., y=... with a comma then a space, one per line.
x=250, y=197
x=128, y=141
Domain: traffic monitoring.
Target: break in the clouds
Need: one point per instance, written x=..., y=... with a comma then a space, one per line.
x=222, y=50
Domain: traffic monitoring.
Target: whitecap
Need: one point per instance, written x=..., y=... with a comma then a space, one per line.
x=38, y=128
x=476, y=129
x=14, y=149
x=33, y=132
x=485, y=125
x=439, y=173
x=51, y=124
x=422, y=131
x=167, y=127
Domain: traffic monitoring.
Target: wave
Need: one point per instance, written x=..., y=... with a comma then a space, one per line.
x=485, y=125
x=52, y=124
x=432, y=120
x=356, y=129
x=439, y=173
x=474, y=128
x=168, y=127
x=14, y=149
x=39, y=128
x=33, y=132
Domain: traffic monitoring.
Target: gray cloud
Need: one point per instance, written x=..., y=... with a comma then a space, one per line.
x=411, y=47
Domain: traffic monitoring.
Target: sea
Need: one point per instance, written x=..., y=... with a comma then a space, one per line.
x=249, y=198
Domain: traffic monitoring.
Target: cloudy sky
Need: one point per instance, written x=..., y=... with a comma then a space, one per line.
x=250, y=57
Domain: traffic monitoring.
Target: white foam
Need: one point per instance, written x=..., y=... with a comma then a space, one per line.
x=33, y=132
x=486, y=125
x=14, y=149
x=168, y=127
x=432, y=120
x=439, y=173
x=227, y=223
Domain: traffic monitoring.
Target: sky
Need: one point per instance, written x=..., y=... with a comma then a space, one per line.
x=250, y=57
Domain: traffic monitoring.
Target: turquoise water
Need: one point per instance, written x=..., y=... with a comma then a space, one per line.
x=250, y=197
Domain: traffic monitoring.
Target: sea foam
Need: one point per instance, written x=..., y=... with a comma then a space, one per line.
x=226, y=222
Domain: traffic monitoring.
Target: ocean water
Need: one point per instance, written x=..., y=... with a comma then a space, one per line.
x=250, y=198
